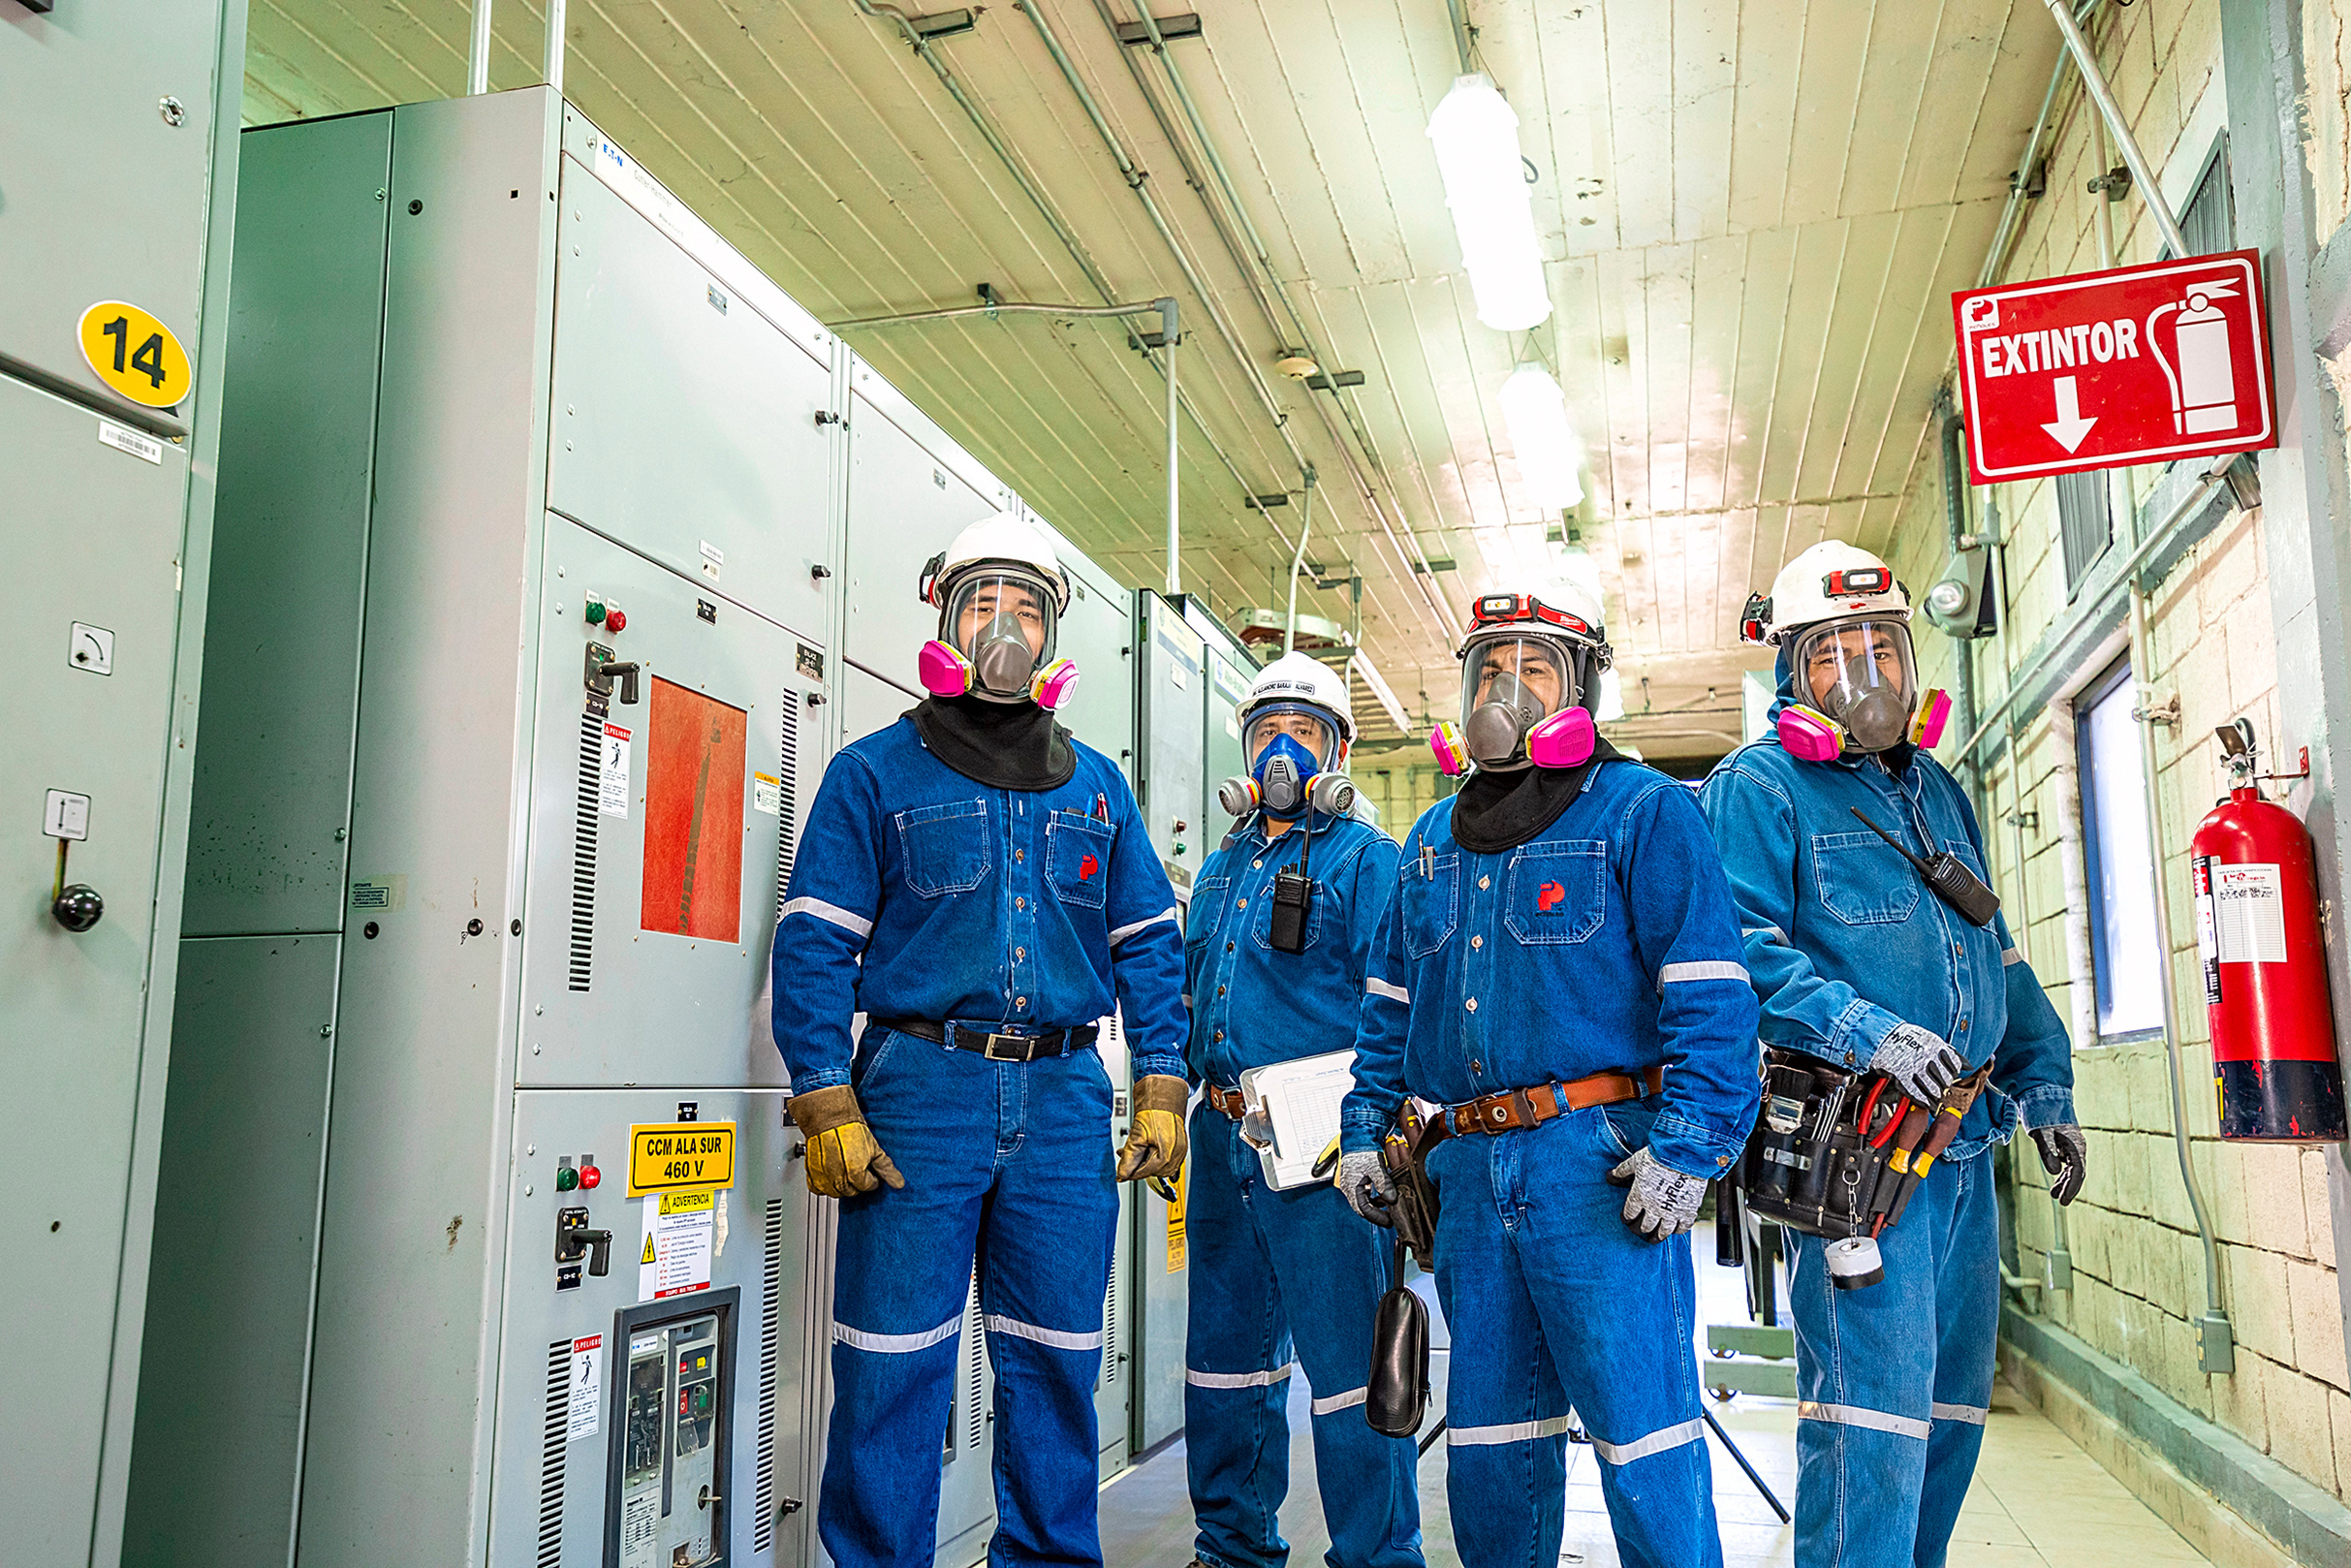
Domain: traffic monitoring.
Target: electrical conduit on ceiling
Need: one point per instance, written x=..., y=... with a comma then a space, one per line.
x=1061, y=230
x=1256, y=266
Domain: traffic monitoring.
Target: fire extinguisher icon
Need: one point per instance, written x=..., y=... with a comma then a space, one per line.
x=2202, y=374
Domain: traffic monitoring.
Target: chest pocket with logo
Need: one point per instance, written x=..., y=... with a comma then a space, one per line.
x=946, y=847
x=1557, y=891
x=1429, y=905
x=1078, y=857
x=1861, y=881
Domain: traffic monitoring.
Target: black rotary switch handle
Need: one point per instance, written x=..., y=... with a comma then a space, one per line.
x=626, y=670
x=574, y=1240
x=78, y=907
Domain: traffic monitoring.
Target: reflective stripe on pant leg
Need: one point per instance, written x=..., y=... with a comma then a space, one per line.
x=1854, y=1415
x=1338, y=1401
x=1973, y=1415
x=1657, y=1442
x=1518, y=1431
x=1237, y=1380
x=1051, y=1339
x=896, y=1344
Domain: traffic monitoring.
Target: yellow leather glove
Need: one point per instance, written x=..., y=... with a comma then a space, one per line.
x=843, y=1159
x=1155, y=1141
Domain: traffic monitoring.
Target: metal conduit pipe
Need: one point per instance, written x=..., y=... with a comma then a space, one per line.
x=2216, y=1339
x=1298, y=562
x=2009, y=219
x=1955, y=525
x=1136, y=179
x=1062, y=230
x=1257, y=271
x=477, y=52
x=552, y=69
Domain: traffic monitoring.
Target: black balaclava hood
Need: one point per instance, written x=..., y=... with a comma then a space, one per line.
x=1003, y=745
x=1497, y=811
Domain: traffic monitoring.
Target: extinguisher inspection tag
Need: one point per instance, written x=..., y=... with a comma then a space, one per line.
x=2249, y=913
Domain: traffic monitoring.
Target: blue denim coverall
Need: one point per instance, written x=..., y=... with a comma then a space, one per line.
x=1844, y=942
x=1271, y=1269
x=919, y=894
x=1608, y=942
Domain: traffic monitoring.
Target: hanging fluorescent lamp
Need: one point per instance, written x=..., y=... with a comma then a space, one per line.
x=1477, y=144
x=1549, y=453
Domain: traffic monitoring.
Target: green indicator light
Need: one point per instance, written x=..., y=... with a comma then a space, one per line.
x=595, y=610
x=566, y=1179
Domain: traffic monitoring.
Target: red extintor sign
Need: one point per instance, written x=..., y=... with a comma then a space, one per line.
x=2133, y=365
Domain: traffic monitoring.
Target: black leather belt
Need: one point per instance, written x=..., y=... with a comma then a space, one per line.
x=996, y=1047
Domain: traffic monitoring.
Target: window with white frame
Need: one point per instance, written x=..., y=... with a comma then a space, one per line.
x=2127, y=951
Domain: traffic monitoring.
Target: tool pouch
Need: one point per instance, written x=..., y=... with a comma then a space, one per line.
x=1405, y=1152
x=1808, y=1166
x=1293, y=904
x=1396, y=1396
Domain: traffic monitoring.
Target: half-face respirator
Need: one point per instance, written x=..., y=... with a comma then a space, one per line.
x=1287, y=780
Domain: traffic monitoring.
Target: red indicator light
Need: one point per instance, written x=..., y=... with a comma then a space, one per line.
x=615, y=621
x=589, y=1176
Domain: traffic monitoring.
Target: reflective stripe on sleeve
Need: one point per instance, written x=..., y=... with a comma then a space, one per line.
x=1772, y=931
x=1338, y=1401
x=1124, y=931
x=2008, y=955
x=1521, y=1431
x=1973, y=1415
x=1374, y=986
x=834, y=913
x=1854, y=1415
x=1053, y=1338
x=896, y=1344
x=1700, y=969
x=1238, y=1380
x=1657, y=1442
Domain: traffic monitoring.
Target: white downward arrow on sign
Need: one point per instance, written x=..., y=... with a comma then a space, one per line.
x=2069, y=427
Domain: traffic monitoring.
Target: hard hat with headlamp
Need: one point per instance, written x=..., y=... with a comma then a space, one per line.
x=1297, y=725
x=1530, y=675
x=1844, y=623
x=1000, y=592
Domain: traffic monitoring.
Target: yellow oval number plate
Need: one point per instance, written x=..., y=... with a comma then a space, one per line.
x=134, y=354
x=678, y=1156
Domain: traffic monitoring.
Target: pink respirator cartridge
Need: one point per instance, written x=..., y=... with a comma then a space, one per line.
x=1926, y=725
x=1453, y=757
x=1566, y=739
x=1810, y=736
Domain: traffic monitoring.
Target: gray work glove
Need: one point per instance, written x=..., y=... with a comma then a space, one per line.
x=1365, y=1182
x=2065, y=1156
x=1923, y=1064
x=1663, y=1201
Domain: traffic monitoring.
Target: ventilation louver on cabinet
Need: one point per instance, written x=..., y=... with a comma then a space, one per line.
x=1109, y=1378
x=976, y=1419
x=583, y=851
x=551, y=1444
x=770, y=1316
x=787, y=786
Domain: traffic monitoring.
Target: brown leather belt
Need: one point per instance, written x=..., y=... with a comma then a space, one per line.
x=1514, y=1109
x=1228, y=1101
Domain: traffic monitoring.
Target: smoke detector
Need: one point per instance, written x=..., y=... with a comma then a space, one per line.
x=1296, y=363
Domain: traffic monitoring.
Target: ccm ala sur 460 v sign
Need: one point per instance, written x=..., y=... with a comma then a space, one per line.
x=2138, y=364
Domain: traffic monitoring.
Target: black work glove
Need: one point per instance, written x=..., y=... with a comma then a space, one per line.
x=2065, y=1156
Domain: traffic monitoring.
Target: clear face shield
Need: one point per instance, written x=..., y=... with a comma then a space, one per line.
x=1861, y=673
x=1512, y=681
x=1003, y=621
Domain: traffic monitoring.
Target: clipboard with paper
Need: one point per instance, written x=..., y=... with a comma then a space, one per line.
x=1291, y=1114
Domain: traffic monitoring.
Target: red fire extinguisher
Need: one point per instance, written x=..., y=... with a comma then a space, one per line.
x=2265, y=965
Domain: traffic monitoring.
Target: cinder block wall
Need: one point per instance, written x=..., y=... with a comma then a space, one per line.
x=2138, y=1266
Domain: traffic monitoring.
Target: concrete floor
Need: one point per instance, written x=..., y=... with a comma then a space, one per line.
x=2038, y=1501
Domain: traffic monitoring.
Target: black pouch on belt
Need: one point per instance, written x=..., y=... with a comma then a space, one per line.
x=1396, y=1395
x=1293, y=902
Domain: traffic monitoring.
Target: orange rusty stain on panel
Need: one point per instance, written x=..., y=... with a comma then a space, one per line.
x=695, y=757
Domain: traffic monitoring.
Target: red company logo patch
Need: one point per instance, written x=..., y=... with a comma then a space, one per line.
x=1088, y=868
x=1549, y=898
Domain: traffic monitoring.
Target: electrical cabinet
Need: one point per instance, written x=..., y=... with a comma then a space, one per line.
x=119, y=125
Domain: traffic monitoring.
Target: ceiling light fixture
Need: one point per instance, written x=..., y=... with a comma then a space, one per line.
x=1476, y=134
x=1547, y=448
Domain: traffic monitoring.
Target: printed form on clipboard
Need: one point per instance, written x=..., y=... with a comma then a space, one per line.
x=1292, y=1114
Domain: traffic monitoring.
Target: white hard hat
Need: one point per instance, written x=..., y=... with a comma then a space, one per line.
x=1005, y=538
x=1301, y=679
x=1831, y=582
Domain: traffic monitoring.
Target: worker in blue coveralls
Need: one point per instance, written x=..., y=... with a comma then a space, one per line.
x=980, y=887
x=1269, y=982
x=1856, y=962
x=1561, y=970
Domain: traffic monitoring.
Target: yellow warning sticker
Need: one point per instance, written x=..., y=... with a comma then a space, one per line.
x=649, y=1248
x=1175, y=1236
x=680, y=1157
x=135, y=354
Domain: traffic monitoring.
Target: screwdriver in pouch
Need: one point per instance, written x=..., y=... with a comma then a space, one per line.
x=1947, y=877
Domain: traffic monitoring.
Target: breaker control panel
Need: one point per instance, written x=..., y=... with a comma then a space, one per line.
x=667, y=1508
